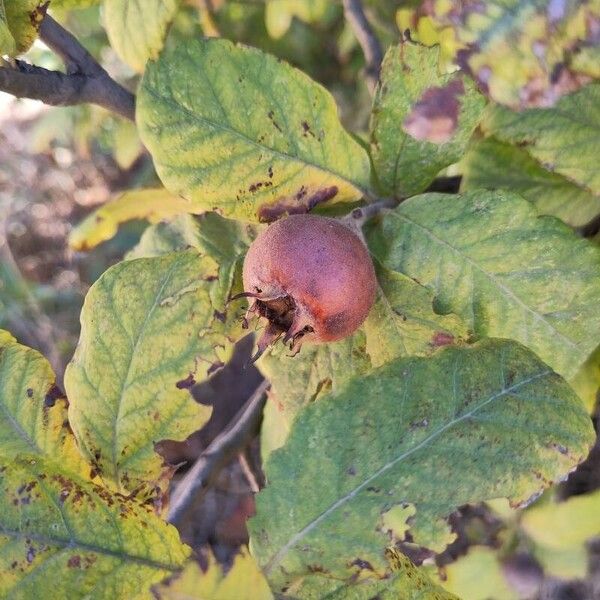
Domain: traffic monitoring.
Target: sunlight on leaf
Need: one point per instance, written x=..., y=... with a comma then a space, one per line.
x=241, y=132
x=151, y=327
x=422, y=119
x=33, y=411
x=101, y=225
x=507, y=272
x=462, y=426
x=492, y=164
x=137, y=28
x=564, y=139
x=243, y=581
x=64, y=536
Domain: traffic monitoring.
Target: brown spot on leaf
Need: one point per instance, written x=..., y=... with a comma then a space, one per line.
x=74, y=562
x=29, y=393
x=434, y=118
x=301, y=202
x=364, y=565
x=220, y=316
x=53, y=394
x=442, y=338
x=186, y=384
x=271, y=116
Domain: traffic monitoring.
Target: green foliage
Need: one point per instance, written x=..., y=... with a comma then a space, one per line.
x=151, y=204
x=149, y=329
x=490, y=259
x=34, y=413
x=560, y=530
x=371, y=443
x=7, y=41
x=422, y=119
x=416, y=438
x=137, y=28
x=246, y=133
x=23, y=19
x=493, y=164
x=464, y=576
x=564, y=139
x=61, y=533
x=521, y=52
x=243, y=581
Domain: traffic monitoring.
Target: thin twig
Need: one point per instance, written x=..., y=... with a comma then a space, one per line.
x=222, y=449
x=355, y=15
x=357, y=218
x=84, y=82
x=248, y=474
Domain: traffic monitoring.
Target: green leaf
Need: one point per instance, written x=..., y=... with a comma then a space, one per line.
x=243, y=581
x=415, y=439
x=404, y=582
x=560, y=531
x=402, y=321
x=7, y=41
x=587, y=381
x=237, y=130
x=103, y=223
x=149, y=329
x=564, y=139
x=33, y=411
x=137, y=28
x=63, y=537
x=24, y=18
x=300, y=380
x=474, y=575
x=280, y=13
x=493, y=164
x=422, y=119
x=520, y=51
x=489, y=258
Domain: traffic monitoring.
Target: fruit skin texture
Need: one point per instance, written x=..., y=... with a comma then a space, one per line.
x=311, y=277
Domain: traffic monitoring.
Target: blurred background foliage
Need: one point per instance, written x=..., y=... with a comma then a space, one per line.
x=57, y=165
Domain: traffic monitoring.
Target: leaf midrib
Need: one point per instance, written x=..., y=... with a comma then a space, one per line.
x=279, y=555
x=77, y=545
x=245, y=138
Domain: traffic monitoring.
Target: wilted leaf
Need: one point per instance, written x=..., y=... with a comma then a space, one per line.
x=64, y=537
x=464, y=577
x=520, y=52
x=103, y=223
x=150, y=328
x=239, y=131
x=429, y=434
x=489, y=258
x=137, y=28
x=24, y=18
x=33, y=411
x=493, y=164
x=243, y=581
x=422, y=119
x=564, y=139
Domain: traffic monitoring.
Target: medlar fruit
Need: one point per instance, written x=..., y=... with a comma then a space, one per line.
x=311, y=278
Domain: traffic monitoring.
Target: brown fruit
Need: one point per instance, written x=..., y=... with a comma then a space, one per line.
x=312, y=279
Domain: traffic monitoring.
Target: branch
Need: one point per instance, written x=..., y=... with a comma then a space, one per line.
x=84, y=82
x=220, y=451
x=355, y=15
